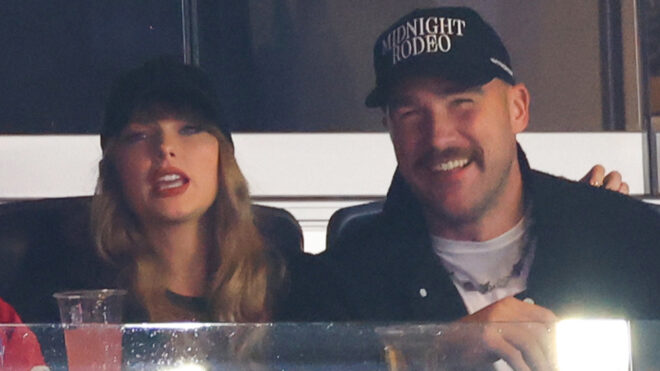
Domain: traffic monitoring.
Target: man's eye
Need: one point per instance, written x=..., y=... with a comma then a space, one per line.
x=405, y=113
x=461, y=101
x=190, y=130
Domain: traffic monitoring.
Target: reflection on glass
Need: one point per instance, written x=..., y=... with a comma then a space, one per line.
x=602, y=345
x=593, y=345
x=96, y=346
x=185, y=367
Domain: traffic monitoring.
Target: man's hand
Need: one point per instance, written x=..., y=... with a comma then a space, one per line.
x=510, y=329
x=612, y=181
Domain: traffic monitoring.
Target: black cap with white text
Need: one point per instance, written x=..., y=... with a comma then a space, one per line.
x=452, y=42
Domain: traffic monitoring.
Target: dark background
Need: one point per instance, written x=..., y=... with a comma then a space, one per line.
x=286, y=65
x=59, y=57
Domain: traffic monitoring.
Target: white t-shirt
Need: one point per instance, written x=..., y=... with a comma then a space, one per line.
x=483, y=262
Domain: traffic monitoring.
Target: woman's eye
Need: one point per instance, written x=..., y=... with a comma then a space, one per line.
x=134, y=137
x=190, y=129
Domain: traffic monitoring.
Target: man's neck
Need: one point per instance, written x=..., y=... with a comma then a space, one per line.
x=480, y=230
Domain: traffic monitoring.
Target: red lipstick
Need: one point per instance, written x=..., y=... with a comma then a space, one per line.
x=169, y=182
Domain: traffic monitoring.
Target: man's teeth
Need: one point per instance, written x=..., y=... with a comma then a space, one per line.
x=169, y=178
x=451, y=165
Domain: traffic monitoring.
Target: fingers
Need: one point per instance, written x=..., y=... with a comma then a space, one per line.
x=535, y=343
x=612, y=180
x=595, y=176
x=529, y=346
x=523, y=346
x=517, y=332
x=475, y=346
x=511, y=309
x=502, y=348
x=532, y=335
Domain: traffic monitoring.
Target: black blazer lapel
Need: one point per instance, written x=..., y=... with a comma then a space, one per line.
x=431, y=293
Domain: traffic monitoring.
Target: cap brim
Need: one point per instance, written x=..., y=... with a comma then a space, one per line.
x=460, y=74
x=374, y=99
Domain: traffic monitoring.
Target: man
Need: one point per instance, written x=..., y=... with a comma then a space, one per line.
x=468, y=231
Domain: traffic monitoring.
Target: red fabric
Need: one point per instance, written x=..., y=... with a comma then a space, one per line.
x=19, y=348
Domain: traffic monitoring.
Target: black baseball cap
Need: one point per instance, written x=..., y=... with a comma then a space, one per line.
x=164, y=81
x=452, y=42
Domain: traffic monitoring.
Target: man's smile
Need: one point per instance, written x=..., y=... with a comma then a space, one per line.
x=450, y=165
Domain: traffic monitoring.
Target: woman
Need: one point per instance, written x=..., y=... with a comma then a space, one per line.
x=172, y=208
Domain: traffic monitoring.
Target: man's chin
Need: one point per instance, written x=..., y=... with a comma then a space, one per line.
x=451, y=212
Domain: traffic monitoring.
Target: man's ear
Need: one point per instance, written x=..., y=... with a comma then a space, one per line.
x=519, y=107
x=383, y=120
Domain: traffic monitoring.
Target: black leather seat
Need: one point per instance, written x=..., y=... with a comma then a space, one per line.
x=350, y=217
x=46, y=246
x=656, y=206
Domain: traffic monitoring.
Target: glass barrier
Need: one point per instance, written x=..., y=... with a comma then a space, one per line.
x=567, y=345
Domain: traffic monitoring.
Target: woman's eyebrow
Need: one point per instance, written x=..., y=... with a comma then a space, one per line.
x=139, y=125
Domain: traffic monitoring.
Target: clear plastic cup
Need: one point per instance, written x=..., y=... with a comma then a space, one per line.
x=92, y=332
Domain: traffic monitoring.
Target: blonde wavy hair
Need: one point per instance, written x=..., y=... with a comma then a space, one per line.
x=245, y=275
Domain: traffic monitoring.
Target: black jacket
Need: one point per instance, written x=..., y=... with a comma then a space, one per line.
x=597, y=255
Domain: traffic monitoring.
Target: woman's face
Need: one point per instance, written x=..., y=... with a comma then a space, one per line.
x=168, y=170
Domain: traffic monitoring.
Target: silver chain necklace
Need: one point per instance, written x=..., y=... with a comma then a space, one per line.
x=516, y=269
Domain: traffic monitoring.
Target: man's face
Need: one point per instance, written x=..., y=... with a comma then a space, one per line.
x=456, y=145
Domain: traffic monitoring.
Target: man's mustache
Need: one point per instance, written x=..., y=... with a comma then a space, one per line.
x=434, y=156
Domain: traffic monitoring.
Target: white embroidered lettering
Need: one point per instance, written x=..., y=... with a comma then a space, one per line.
x=460, y=25
x=432, y=29
x=396, y=54
x=411, y=28
x=445, y=25
x=419, y=23
x=418, y=45
x=422, y=35
x=401, y=34
x=444, y=43
x=431, y=43
x=406, y=49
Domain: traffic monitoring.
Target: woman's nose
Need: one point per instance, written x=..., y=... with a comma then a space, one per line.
x=167, y=147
